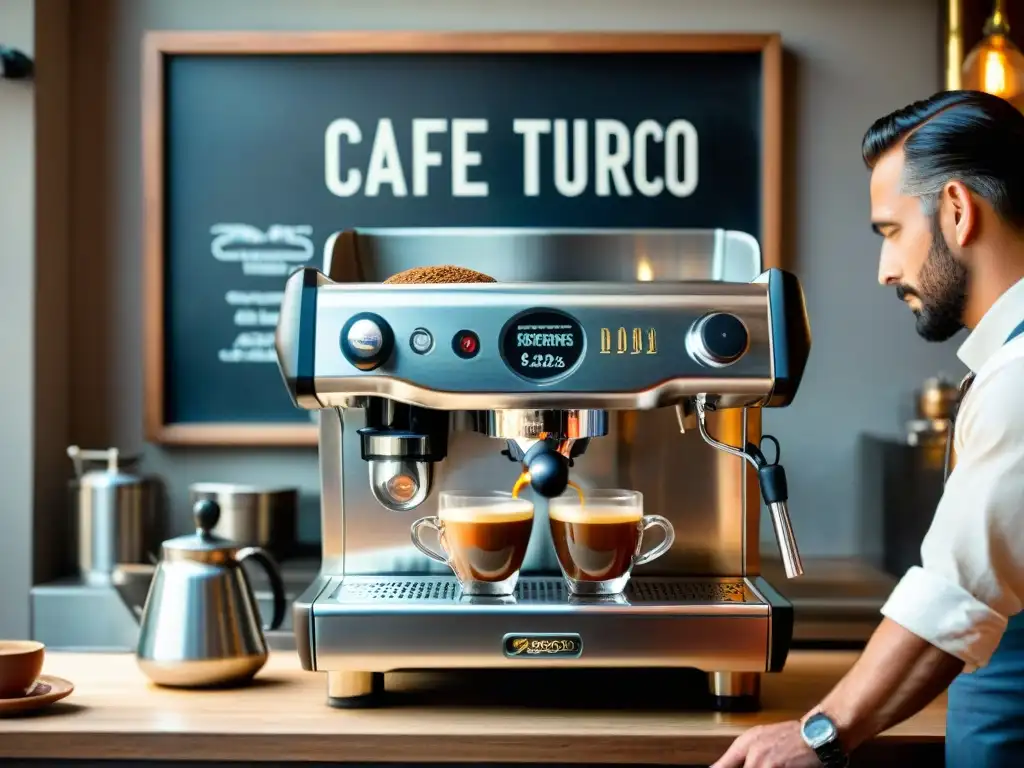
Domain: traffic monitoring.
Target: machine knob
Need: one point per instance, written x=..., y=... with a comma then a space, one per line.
x=717, y=340
x=367, y=341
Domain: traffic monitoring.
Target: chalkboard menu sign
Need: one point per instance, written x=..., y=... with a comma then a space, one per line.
x=258, y=147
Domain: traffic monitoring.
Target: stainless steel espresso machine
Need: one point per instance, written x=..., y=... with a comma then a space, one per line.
x=425, y=387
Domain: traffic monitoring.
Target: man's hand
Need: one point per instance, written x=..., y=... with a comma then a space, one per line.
x=895, y=677
x=770, y=746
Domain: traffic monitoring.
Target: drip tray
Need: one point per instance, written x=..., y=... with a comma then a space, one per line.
x=406, y=591
x=387, y=623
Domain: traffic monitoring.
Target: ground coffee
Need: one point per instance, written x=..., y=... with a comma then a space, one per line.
x=446, y=273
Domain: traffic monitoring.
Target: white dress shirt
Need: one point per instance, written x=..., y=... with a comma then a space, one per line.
x=971, y=578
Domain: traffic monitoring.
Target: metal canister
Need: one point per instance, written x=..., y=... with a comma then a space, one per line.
x=936, y=399
x=115, y=513
x=254, y=516
x=934, y=404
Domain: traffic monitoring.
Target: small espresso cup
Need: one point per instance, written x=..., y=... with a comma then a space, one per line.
x=483, y=537
x=21, y=662
x=598, y=540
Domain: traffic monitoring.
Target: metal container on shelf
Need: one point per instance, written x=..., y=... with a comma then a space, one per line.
x=254, y=516
x=115, y=513
x=934, y=404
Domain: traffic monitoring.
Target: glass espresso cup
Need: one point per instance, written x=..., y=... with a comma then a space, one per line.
x=483, y=535
x=598, y=540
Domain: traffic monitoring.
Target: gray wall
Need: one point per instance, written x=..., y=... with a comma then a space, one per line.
x=17, y=300
x=846, y=64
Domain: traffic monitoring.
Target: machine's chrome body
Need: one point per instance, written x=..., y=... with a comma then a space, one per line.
x=379, y=605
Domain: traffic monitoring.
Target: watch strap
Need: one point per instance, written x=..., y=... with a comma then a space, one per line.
x=832, y=755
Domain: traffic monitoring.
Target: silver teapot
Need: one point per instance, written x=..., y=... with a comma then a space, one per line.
x=201, y=623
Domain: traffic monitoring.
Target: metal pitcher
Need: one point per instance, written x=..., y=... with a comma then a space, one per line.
x=201, y=622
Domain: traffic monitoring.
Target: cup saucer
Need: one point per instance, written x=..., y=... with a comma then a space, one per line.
x=47, y=690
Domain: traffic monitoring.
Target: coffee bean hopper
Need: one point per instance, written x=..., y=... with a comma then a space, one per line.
x=584, y=358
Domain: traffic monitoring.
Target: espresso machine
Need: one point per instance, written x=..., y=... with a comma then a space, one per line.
x=613, y=358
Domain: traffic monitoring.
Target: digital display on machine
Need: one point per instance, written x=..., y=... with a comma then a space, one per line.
x=542, y=344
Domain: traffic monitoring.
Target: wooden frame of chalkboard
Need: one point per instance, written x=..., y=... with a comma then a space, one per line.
x=159, y=47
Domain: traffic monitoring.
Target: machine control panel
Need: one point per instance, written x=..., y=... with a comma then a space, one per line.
x=717, y=339
x=485, y=346
x=580, y=346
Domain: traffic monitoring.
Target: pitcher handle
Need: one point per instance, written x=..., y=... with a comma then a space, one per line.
x=656, y=521
x=263, y=557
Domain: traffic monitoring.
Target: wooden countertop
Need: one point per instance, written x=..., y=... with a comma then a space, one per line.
x=115, y=713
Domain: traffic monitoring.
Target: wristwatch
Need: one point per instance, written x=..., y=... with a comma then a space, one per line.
x=821, y=735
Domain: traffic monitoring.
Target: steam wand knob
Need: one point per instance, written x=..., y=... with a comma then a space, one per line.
x=775, y=492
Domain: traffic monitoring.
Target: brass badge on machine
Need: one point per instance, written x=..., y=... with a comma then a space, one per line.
x=541, y=646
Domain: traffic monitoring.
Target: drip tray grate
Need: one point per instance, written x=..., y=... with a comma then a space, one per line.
x=540, y=590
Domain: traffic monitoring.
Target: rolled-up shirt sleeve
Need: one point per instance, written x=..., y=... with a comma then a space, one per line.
x=971, y=578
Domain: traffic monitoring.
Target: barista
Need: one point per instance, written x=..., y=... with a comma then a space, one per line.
x=947, y=198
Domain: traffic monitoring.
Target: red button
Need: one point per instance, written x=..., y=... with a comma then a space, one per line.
x=466, y=344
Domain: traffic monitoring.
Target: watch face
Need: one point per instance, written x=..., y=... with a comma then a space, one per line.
x=818, y=730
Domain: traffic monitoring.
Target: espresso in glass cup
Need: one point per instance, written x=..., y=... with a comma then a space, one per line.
x=483, y=538
x=600, y=537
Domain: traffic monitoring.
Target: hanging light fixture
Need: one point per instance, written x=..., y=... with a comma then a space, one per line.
x=996, y=65
x=954, y=45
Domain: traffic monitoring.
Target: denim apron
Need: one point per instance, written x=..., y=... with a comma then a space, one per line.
x=985, y=714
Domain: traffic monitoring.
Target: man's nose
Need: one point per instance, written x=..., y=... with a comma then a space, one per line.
x=888, y=271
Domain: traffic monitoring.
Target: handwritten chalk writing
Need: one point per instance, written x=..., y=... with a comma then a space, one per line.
x=250, y=347
x=254, y=298
x=273, y=252
x=244, y=242
x=252, y=309
x=264, y=317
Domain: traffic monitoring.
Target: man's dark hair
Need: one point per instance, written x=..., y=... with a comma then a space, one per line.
x=967, y=136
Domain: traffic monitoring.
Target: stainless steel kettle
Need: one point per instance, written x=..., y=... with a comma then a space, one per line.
x=201, y=623
x=115, y=513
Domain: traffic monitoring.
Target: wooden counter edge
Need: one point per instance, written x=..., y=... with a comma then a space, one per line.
x=676, y=749
x=116, y=714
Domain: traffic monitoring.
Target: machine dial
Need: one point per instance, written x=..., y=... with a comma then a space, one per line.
x=367, y=341
x=717, y=340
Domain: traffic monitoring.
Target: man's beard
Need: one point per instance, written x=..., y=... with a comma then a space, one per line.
x=942, y=291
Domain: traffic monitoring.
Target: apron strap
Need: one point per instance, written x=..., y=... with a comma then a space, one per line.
x=1016, y=332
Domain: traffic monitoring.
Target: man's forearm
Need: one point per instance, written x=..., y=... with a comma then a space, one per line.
x=897, y=676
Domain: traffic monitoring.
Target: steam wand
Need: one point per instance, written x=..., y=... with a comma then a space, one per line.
x=771, y=479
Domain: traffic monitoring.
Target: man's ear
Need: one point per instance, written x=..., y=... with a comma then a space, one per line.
x=958, y=213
